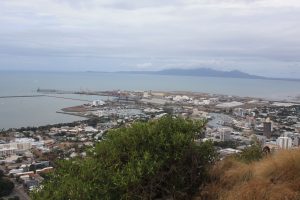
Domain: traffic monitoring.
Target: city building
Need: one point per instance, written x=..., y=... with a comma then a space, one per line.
x=225, y=134
x=267, y=130
x=19, y=146
x=7, y=151
x=98, y=103
x=284, y=142
x=239, y=112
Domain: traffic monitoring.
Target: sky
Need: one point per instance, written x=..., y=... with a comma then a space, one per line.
x=259, y=37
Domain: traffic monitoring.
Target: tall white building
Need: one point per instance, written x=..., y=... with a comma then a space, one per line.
x=284, y=142
x=225, y=134
x=11, y=148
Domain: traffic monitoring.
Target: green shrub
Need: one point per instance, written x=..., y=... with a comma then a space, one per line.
x=151, y=160
x=251, y=153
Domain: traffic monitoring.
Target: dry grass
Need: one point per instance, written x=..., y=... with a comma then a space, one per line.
x=276, y=177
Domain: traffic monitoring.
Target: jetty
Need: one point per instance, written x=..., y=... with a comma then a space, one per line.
x=21, y=96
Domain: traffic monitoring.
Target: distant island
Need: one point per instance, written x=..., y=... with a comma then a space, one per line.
x=206, y=72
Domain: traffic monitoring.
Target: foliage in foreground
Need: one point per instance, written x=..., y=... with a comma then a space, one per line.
x=6, y=186
x=150, y=160
x=275, y=177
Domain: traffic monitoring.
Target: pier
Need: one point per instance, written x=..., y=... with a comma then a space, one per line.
x=44, y=95
x=21, y=96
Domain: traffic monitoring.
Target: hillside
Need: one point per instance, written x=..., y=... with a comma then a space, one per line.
x=276, y=177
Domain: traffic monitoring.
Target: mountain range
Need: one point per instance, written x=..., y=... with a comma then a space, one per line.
x=206, y=72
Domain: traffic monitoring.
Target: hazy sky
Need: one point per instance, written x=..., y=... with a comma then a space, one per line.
x=256, y=36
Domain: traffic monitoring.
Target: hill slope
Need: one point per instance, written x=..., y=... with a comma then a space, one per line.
x=273, y=178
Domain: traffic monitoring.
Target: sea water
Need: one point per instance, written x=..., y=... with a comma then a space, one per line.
x=35, y=111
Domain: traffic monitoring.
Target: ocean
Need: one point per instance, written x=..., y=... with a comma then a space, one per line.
x=35, y=111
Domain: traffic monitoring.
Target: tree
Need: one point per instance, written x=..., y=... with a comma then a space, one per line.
x=158, y=159
x=6, y=186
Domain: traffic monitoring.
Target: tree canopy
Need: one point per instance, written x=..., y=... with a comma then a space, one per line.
x=157, y=159
x=6, y=186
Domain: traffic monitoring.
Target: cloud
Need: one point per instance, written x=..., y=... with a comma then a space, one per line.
x=105, y=34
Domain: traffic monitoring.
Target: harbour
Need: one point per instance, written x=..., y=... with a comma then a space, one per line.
x=23, y=105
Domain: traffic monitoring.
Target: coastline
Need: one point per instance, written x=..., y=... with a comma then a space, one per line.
x=83, y=111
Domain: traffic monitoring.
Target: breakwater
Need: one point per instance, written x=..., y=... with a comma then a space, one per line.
x=21, y=96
